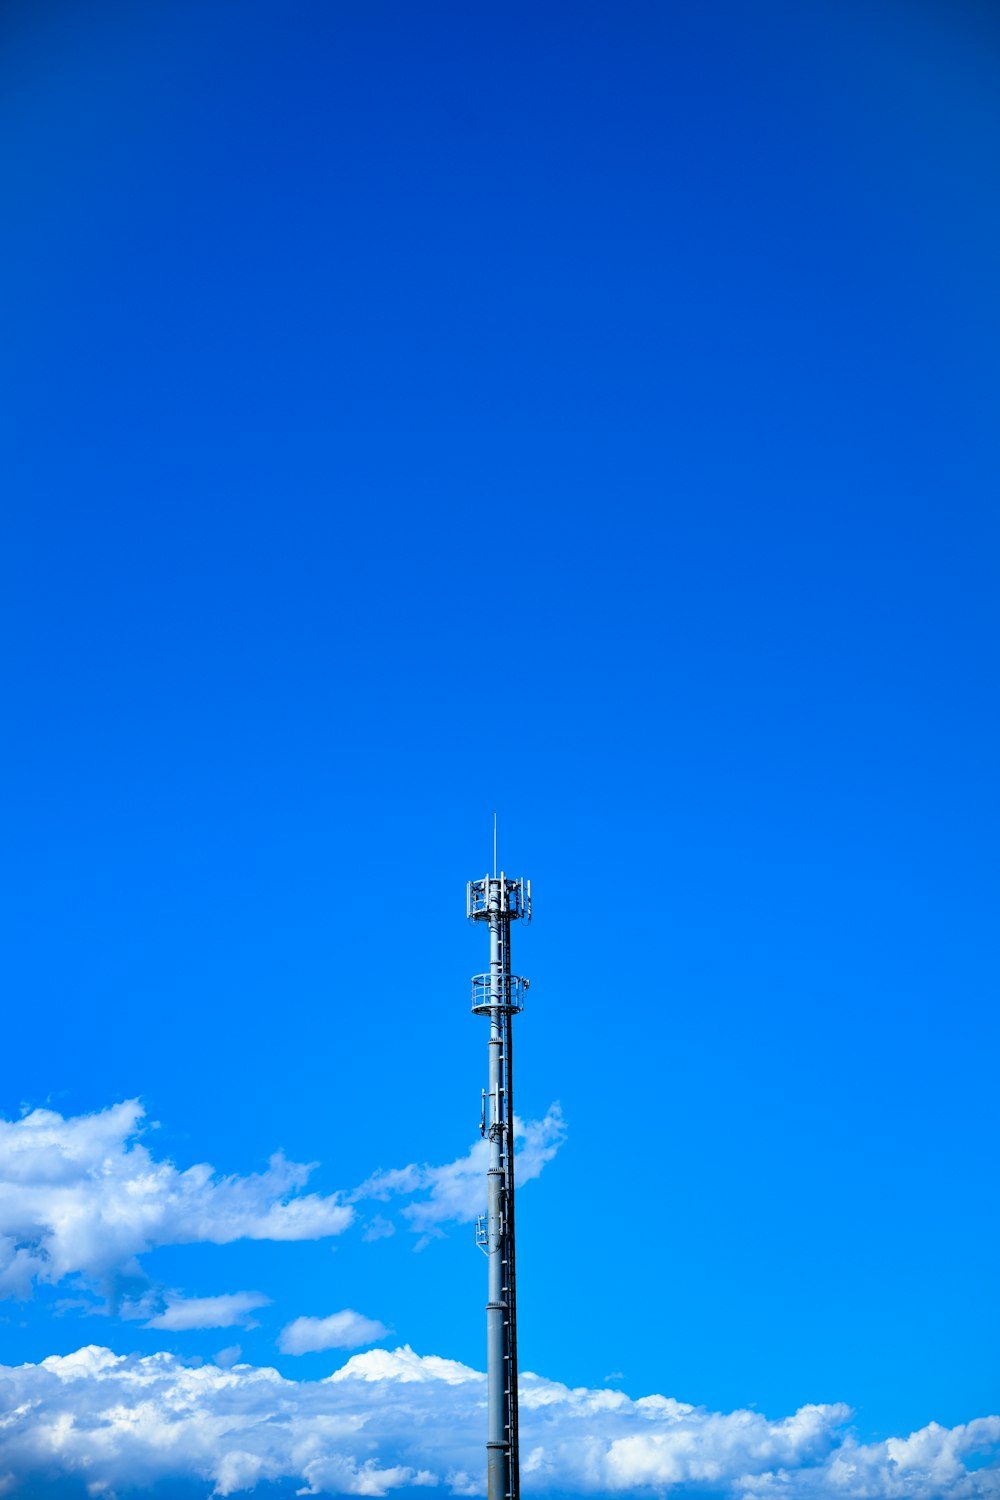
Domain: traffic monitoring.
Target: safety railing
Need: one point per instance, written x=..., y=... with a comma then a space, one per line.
x=510, y=993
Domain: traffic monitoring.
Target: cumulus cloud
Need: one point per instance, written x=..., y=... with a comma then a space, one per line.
x=227, y=1311
x=342, y=1330
x=84, y=1196
x=455, y=1192
x=393, y=1420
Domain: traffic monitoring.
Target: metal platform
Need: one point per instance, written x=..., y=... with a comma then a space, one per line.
x=512, y=990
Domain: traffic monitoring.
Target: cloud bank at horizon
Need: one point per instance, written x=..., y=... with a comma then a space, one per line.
x=395, y=1421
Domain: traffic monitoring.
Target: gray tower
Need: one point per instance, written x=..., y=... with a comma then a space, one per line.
x=497, y=901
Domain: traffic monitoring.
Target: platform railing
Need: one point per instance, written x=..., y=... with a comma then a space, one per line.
x=512, y=990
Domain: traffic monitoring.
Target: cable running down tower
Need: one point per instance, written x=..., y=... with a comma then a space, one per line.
x=497, y=901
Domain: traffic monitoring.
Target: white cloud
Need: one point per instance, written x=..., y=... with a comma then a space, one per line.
x=456, y=1192
x=342, y=1330
x=84, y=1195
x=927, y=1465
x=391, y=1419
x=378, y=1228
x=183, y=1313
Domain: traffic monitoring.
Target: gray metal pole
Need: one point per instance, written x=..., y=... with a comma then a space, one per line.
x=497, y=1447
x=497, y=901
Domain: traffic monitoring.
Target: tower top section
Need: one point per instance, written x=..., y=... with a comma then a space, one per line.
x=498, y=896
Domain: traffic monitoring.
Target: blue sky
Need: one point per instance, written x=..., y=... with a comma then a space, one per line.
x=587, y=412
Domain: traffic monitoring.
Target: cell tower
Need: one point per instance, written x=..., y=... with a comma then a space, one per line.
x=499, y=994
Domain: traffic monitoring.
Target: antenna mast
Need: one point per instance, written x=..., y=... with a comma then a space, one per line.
x=498, y=901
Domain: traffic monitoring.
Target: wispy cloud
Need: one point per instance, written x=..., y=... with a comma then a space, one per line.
x=378, y=1228
x=342, y=1330
x=228, y=1311
x=392, y=1419
x=455, y=1193
x=84, y=1196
